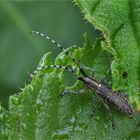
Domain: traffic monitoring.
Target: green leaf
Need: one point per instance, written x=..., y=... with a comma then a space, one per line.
x=39, y=113
x=118, y=20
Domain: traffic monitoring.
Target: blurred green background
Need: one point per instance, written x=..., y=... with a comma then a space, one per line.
x=20, y=52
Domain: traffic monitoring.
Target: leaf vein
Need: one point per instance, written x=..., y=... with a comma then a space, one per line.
x=95, y=6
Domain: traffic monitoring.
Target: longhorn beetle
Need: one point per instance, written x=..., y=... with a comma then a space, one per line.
x=98, y=87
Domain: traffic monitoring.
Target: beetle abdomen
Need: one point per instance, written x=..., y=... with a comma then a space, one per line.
x=115, y=98
x=107, y=94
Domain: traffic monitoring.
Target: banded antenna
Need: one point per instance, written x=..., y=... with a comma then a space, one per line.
x=52, y=66
x=62, y=48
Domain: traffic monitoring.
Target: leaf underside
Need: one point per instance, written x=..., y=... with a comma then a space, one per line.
x=39, y=113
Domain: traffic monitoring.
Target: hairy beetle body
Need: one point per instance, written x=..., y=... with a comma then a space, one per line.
x=107, y=94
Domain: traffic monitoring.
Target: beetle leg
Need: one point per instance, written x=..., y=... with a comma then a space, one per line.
x=90, y=69
x=110, y=115
x=66, y=92
x=123, y=94
x=126, y=95
x=94, y=104
x=103, y=80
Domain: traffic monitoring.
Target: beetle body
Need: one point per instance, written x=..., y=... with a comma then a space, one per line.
x=107, y=94
x=100, y=88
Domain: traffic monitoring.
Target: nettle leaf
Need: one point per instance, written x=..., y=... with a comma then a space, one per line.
x=39, y=113
x=119, y=23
